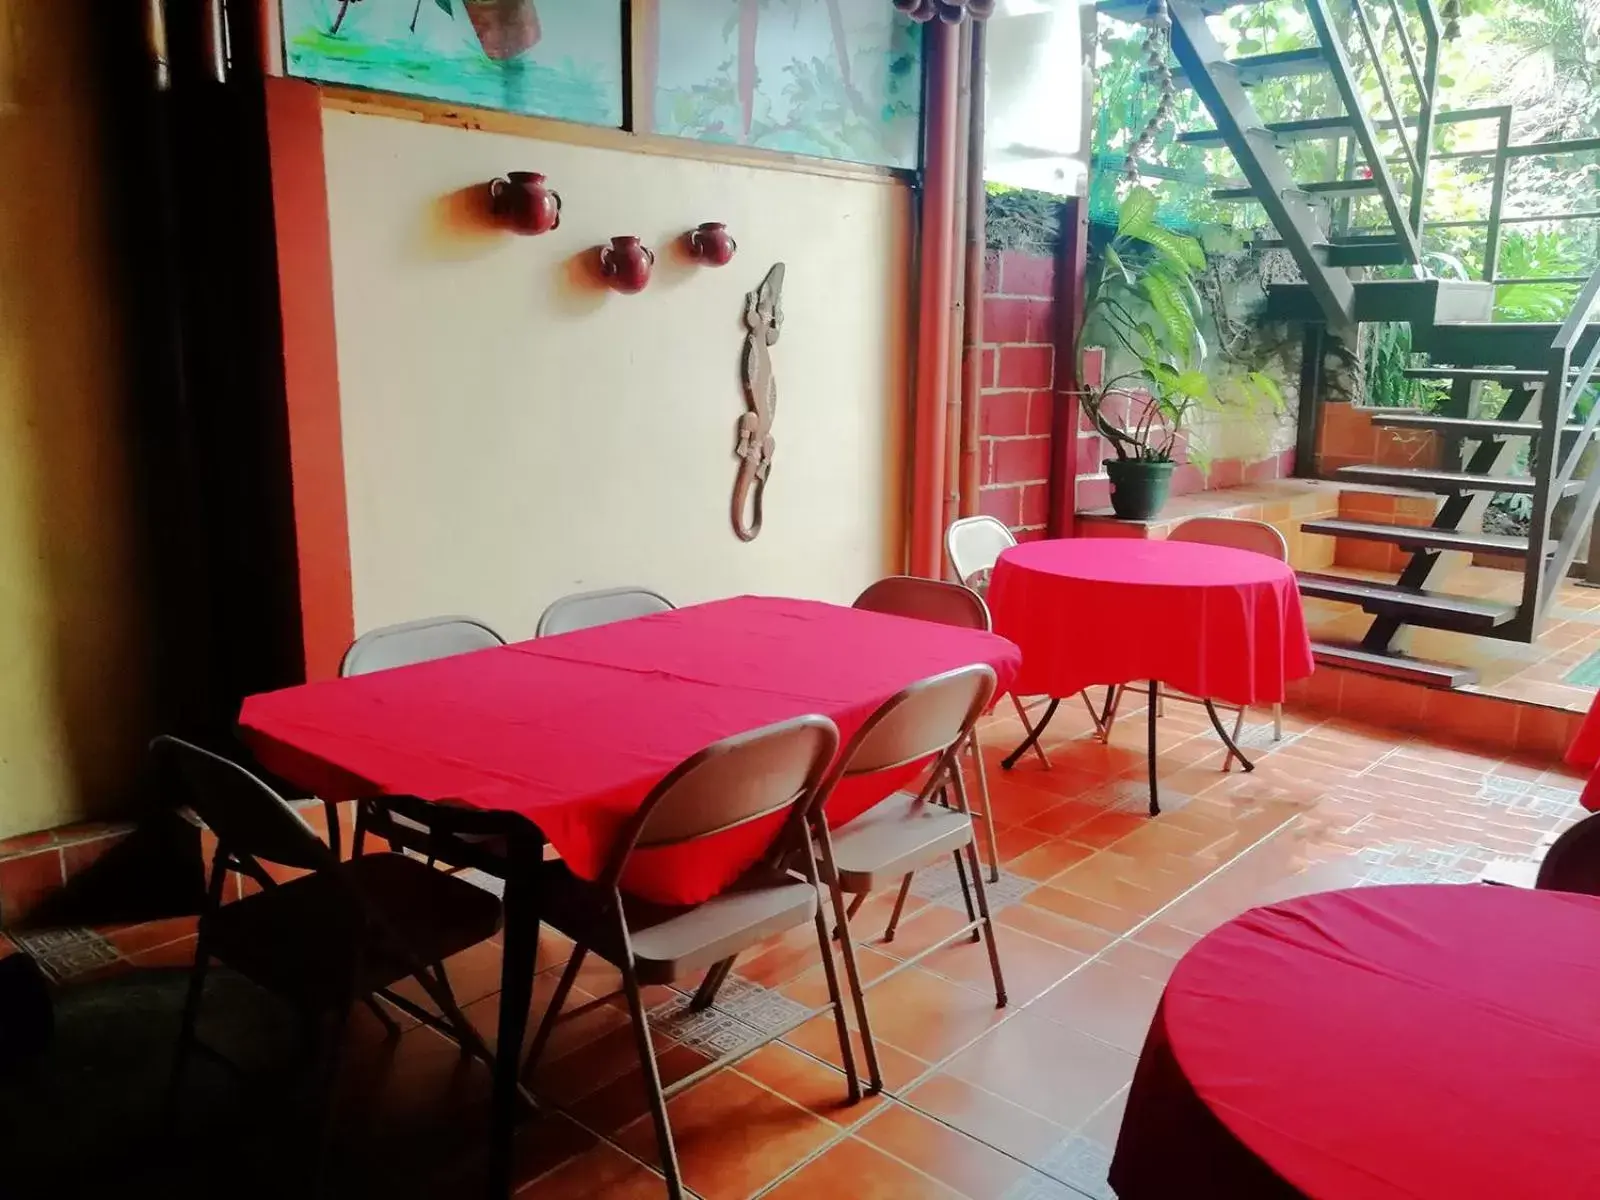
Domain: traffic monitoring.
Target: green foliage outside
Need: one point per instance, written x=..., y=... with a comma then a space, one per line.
x=1145, y=309
x=1543, y=56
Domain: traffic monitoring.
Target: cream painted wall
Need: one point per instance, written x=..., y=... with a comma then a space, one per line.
x=513, y=433
x=73, y=704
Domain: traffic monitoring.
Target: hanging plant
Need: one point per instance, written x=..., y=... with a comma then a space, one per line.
x=1157, y=52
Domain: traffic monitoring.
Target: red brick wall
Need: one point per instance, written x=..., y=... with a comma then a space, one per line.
x=1014, y=420
x=1019, y=327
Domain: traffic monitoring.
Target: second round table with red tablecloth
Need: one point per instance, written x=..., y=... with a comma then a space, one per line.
x=1432, y=1042
x=1212, y=621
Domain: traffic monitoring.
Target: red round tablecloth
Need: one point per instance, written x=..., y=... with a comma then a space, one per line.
x=572, y=732
x=1382, y=1043
x=1208, y=620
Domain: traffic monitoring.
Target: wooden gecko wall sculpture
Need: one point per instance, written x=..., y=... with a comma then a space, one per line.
x=763, y=318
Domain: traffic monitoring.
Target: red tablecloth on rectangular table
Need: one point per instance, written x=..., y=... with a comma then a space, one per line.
x=573, y=731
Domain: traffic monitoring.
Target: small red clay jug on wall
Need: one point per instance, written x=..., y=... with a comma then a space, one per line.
x=712, y=244
x=524, y=202
x=626, y=264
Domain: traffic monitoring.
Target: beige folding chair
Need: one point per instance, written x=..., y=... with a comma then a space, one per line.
x=944, y=604
x=412, y=642
x=907, y=833
x=748, y=777
x=585, y=610
x=455, y=837
x=345, y=932
x=1238, y=534
x=974, y=544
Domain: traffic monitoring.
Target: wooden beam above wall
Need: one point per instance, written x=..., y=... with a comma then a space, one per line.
x=574, y=134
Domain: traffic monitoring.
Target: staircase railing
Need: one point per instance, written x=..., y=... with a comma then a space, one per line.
x=1415, y=155
x=1559, y=449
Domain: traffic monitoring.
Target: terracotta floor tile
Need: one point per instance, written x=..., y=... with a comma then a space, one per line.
x=854, y=1169
x=733, y=1136
x=948, y=1155
x=1084, y=910
x=1061, y=820
x=1107, y=1002
x=814, y=1086
x=1108, y=828
x=929, y=1017
x=602, y=1171
x=1143, y=960
x=818, y=1038
x=1061, y=931
x=989, y=1118
x=1049, y=859
x=1030, y=965
x=1015, y=841
x=1058, y=1073
x=132, y=939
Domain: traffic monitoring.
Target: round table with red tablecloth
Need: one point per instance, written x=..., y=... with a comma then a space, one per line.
x=1435, y=1042
x=1212, y=621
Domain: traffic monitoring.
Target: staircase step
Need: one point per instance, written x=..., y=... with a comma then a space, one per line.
x=1281, y=131
x=1421, y=480
x=1317, y=187
x=1393, y=666
x=1471, y=342
x=1472, y=427
x=1423, y=302
x=1489, y=374
x=1437, y=610
x=1421, y=536
x=1364, y=250
x=1260, y=67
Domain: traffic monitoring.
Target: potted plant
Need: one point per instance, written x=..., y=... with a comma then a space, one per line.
x=1143, y=303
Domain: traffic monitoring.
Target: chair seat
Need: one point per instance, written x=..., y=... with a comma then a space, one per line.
x=672, y=943
x=300, y=939
x=895, y=837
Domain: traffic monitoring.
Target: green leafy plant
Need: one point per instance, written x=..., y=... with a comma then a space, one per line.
x=1143, y=302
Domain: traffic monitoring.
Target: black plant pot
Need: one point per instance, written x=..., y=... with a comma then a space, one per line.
x=1138, y=488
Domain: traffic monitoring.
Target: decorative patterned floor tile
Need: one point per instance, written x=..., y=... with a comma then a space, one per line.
x=1525, y=796
x=941, y=885
x=1076, y=1167
x=65, y=953
x=1412, y=862
x=1132, y=796
x=742, y=1012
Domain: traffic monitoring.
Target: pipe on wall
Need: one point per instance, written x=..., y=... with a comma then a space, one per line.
x=956, y=400
x=936, y=258
x=977, y=233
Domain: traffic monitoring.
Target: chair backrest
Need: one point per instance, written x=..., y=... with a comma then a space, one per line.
x=1235, y=532
x=413, y=642
x=248, y=817
x=929, y=717
x=974, y=543
x=732, y=782
x=585, y=610
x=1573, y=861
x=926, y=600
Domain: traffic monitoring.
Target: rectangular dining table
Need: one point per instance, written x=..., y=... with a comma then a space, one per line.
x=571, y=732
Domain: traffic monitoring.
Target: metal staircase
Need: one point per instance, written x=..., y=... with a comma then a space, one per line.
x=1547, y=369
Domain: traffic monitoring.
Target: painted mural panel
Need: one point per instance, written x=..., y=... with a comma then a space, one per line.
x=832, y=78
x=551, y=58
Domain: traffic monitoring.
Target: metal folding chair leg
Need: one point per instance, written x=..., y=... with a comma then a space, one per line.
x=987, y=815
x=831, y=972
x=894, y=917
x=852, y=972
x=983, y=906
x=185, y=1046
x=547, y=1025
x=1022, y=715
x=966, y=892
x=1238, y=728
x=1277, y=722
x=652, y=1079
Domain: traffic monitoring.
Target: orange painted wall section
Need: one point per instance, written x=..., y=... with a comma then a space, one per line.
x=311, y=371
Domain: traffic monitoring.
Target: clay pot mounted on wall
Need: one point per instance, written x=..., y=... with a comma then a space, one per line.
x=626, y=264
x=712, y=244
x=524, y=202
